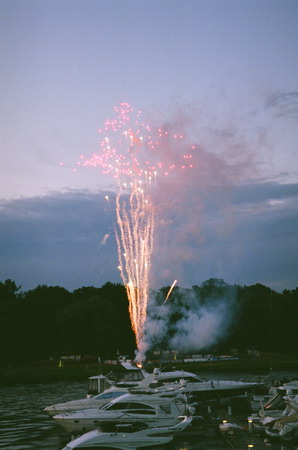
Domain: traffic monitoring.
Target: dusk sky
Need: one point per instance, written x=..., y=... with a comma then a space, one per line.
x=222, y=72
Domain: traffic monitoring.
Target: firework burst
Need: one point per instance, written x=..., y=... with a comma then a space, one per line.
x=136, y=155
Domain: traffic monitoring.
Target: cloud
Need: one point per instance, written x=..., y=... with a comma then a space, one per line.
x=285, y=104
x=243, y=234
x=55, y=239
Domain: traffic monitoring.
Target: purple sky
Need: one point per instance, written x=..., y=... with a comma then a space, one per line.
x=224, y=71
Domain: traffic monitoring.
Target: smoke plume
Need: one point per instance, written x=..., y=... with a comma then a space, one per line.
x=191, y=319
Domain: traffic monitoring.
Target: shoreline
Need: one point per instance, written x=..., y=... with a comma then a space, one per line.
x=47, y=372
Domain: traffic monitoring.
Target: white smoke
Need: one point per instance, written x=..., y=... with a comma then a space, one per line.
x=189, y=322
x=202, y=328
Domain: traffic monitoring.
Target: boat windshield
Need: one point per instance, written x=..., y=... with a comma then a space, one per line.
x=109, y=395
x=141, y=408
x=189, y=379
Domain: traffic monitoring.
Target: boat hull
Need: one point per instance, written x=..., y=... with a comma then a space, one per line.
x=83, y=424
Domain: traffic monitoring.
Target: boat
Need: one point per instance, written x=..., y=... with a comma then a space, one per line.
x=127, y=376
x=226, y=426
x=197, y=386
x=129, y=438
x=103, y=388
x=258, y=401
x=96, y=401
x=284, y=428
x=275, y=409
x=279, y=405
x=292, y=400
x=146, y=409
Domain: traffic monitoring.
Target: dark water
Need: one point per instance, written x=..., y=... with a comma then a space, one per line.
x=24, y=425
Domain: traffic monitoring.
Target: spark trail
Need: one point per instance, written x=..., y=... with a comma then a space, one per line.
x=132, y=152
x=170, y=290
x=134, y=236
x=167, y=297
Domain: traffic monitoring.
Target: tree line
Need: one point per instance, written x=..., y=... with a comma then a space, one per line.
x=50, y=321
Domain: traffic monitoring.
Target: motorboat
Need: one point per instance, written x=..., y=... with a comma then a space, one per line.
x=199, y=387
x=96, y=401
x=129, y=438
x=285, y=428
x=127, y=376
x=277, y=407
x=149, y=410
x=258, y=401
x=226, y=426
x=292, y=400
x=268, y=415
x=103, y=388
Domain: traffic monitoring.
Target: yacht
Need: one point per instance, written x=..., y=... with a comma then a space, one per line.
x=280, y=405
x=96, y=401
x=129, y=438
x=148, y=410
x=199, y=387
x=292, y=400
x=284, y=428
x=127, y=376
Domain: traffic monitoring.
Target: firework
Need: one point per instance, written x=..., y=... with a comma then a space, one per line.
x=131, y=149
x=134, y=236
x=167, y=297
x=170, y=290
x=135, y=155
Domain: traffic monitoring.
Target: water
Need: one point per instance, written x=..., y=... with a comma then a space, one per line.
x=24, y=425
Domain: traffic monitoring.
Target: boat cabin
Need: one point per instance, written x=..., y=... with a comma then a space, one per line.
x=125, y=376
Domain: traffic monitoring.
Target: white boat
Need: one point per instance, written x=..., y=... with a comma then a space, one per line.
x=284, y=428
x=129, y=439
x=276, y=394
x=127, y=377
x=198, y=386
x=267, y=417
x=97, y=401
x=103, y=388
x=292, y=400
x=226, y=426
x=277, y=407
x=149, y=410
